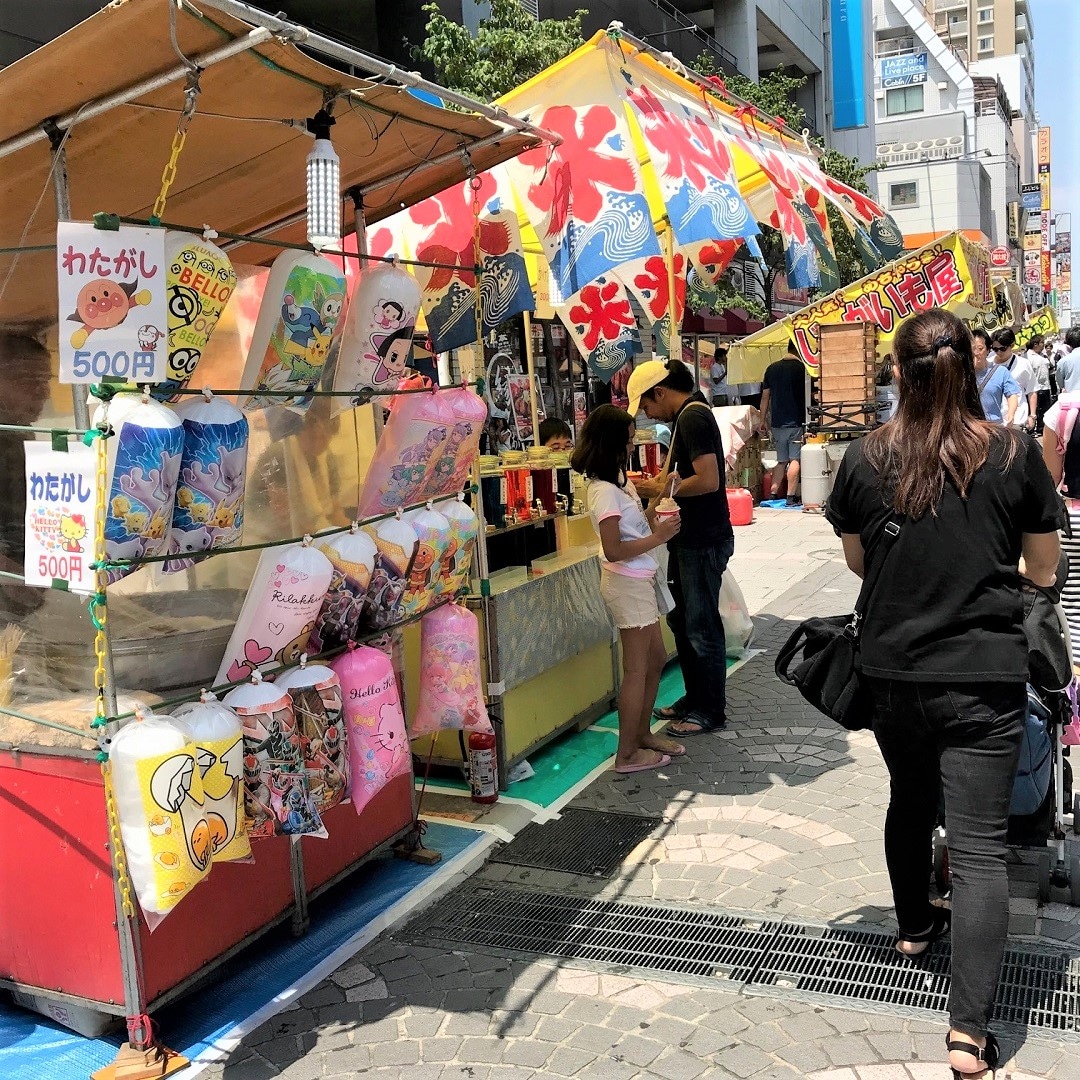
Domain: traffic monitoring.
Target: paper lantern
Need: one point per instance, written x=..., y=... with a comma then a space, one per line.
x=159, y=801
x=457, y=559
x=209, y=512
x=324, y=743
x=377, y=339
x=199, y=280
x=451, y=694
x=395, y=543
x=276, y=795
x=279, y=612
x=352, y=556
x=219, y=753
x=408, y=450
x=144, y=456
x=378, y=743
x=432, y=539
x=452, y=468
x=299, y=313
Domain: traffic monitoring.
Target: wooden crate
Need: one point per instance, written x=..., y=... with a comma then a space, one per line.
x=844, y=395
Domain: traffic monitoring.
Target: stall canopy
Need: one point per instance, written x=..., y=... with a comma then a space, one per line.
x=655, y=171
x=242, y=167
x=952, y=273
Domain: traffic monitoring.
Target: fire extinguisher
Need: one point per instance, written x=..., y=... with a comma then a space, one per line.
x=483, y=767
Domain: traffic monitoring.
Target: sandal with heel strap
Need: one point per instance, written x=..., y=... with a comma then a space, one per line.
x=940, y=927
x=988, y=1055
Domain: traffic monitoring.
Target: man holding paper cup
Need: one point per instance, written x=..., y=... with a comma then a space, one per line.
x=694, y=482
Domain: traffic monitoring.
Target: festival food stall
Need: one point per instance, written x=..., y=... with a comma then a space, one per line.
x=840, y=336
x=658, y=174
x=175, y=539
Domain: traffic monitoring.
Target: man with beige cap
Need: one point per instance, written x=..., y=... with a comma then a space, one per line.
x=698, y=556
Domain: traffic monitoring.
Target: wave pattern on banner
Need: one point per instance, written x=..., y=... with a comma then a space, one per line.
x=600, y=319
x=585, y=197
x=442, y=230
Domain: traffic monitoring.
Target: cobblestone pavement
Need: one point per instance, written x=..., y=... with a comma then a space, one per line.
x=780, y=815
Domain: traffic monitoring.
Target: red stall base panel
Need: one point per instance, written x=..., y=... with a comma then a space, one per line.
x=57, y=911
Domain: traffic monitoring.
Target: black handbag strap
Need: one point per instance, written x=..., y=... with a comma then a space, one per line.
x=889, y=532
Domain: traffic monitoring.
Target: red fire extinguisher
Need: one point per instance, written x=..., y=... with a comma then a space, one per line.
x=483, y=767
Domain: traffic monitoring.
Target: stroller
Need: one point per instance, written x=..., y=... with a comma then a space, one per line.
x=1043, y=791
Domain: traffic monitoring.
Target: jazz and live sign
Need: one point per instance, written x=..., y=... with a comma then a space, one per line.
x=112, y=295
x=908, y=70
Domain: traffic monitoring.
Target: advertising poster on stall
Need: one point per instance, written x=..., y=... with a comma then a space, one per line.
x=1042, y=322
x=112, y=304
x=61, y=508
x=522, y=389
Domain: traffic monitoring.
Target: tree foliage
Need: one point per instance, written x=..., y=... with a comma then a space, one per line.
x=510, y=47
x=775, y=95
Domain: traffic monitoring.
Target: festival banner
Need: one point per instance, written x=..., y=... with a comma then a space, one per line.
x=113, y=304
x=951, y=273
x=694, y=170
x=648, y=284
x=1042, y=322
x=601, y=321
x=585, y=197
x=442, y=229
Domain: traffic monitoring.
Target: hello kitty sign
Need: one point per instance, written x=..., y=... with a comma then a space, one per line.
x=279, y=613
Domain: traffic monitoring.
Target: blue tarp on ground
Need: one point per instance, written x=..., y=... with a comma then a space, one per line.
x=33, y=1048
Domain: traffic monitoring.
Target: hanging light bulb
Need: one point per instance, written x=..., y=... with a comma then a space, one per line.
x=323, y=185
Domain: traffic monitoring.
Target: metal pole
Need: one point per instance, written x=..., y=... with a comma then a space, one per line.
x=300, y=918
x=62, y=198
x=674, y=340
x=301, y=35
x=530, y=368
x=102, y=105
x=127, y=928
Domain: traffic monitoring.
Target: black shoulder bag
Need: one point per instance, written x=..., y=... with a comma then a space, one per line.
x=828, y=675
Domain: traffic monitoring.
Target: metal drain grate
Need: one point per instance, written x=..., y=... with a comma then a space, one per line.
x=589, y=842
x=692, y=943
x=1038, y=988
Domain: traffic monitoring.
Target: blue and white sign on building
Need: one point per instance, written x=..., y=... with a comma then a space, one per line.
x=907, y=70
x=1031, y=197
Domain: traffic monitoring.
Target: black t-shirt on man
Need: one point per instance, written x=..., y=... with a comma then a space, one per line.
x=705, y=518
x=786, y=382
x=947, y=606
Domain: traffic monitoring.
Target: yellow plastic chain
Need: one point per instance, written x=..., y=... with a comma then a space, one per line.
x=116, y=845
x=99, y=610
x=99, y=613
x=168, y=175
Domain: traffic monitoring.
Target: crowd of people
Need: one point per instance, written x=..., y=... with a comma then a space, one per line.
x=976, y=501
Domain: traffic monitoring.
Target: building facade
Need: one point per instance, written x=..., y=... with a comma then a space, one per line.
x=947, y=143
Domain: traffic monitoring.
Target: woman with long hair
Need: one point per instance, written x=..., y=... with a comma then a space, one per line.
x=628, y=581
x=942, y=646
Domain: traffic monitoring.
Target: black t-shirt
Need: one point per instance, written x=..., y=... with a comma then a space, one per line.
x=786, y=382
x=947, y=606
x=705, y=518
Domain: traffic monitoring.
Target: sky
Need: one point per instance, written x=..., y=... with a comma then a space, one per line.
x=1057, y=96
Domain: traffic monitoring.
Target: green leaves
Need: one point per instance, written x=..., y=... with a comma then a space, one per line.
x=510, y=48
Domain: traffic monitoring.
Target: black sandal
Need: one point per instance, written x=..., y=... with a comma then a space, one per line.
x=939, y=928
x=702, y=725
x=989, y=1055
x=676, y=711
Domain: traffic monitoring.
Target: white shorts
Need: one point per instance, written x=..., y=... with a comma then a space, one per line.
x=631, y=600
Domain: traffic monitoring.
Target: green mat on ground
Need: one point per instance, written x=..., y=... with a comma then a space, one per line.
x=567, y=760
